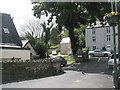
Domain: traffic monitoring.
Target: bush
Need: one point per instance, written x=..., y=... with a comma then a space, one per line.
x=41, y=49
x=104, y=48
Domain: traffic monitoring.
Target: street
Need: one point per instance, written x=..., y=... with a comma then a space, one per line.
x=92, y=74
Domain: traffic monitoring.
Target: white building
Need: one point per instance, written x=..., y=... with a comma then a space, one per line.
x=99, y=37
x=26, y=44
x=10, y=51
x=65, y=45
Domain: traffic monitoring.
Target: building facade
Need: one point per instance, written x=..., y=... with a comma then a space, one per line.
x=65, y=45
x=26, y=44
x=10, y=43
x=99, y=37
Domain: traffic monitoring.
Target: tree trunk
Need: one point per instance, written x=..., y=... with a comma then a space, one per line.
x=73, y=39
x=70, y=26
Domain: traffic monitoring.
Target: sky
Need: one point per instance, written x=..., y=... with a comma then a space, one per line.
x=21, y=10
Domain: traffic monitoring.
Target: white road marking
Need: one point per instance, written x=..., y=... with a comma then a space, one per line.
x=99, y=60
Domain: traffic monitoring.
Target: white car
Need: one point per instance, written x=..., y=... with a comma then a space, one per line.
x=100, y=53
x=111, y=61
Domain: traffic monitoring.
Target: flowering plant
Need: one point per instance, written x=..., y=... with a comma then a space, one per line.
x=111, y=13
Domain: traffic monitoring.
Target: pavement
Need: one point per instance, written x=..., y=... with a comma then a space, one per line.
x=92, y=74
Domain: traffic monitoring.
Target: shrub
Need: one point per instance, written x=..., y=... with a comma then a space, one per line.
x=41, y=49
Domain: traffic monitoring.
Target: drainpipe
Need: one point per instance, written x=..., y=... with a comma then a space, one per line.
x=118, y=9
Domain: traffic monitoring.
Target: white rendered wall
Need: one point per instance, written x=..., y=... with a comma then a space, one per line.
x=101, y=38
x=10, y=53
x=31, y=49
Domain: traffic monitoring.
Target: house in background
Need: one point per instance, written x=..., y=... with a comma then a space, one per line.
x=27, y=45
x=10, y=43
x=99, y=37
x=65, y=45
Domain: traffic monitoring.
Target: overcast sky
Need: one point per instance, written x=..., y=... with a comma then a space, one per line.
x=21, y=10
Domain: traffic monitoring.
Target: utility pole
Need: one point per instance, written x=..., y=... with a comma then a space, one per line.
x=115, y=69
x=118, y=9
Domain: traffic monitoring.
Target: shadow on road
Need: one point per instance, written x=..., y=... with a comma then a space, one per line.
x=95, y=65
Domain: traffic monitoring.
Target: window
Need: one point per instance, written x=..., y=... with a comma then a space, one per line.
x=93, y=31
x=94, y=38
x=108, y=29
x=6, y=30
x=97, y=51
x=108, y=37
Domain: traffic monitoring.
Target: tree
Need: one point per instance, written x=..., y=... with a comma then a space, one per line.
x=30, y=37
x=72, y=15
x=33, y=31
x=41, y=49
x=46, y=33
x=64, y=33
x=33, y=27
x=55, y=36
x=80, y=34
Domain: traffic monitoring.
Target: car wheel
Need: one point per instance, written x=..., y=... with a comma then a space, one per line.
x=110, y=67
x=106, y=55
x=64, y=65
x=92, y=55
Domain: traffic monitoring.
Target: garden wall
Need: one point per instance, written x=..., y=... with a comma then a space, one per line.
x=17, y=71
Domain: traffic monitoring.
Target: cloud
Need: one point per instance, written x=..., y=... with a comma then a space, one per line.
x=21, y=10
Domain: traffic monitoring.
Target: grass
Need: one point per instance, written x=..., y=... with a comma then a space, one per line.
x=55, y=46
x=69, y=59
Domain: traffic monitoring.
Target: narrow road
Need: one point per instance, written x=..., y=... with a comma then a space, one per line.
x=96, y=75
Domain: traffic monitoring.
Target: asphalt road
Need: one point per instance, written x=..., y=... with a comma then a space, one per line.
x=96, y=75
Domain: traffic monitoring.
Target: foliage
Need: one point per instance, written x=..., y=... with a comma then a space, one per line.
x=41, y=49
x=80, y=34
x=70, y=59
x=55, y=36
x=72, y=15
x=39, y=38
x=46, y=33
x=30, y=37
x=104, y=48
x=64, y=34
x=56, y=46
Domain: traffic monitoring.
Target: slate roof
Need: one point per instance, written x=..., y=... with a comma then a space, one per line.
x=98, y=25
x=8, y=32
x=65, y=40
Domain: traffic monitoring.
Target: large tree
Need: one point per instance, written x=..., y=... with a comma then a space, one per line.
x=71, y=15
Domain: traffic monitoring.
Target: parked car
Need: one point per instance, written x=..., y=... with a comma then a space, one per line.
x=70, y=53
x=63, y=61
x=100, y=53
x=111, y=61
